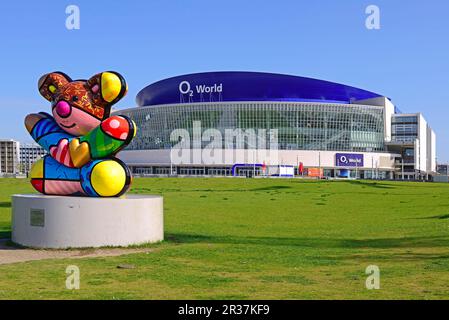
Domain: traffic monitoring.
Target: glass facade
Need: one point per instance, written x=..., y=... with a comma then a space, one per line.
x=443, y=169
x=300, y=126
x=404, y=128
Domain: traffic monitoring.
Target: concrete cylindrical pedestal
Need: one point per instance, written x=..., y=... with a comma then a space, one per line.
x=42, y=221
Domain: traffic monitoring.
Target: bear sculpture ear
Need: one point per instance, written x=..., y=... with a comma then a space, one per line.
x=109, y=86
x=50, y=83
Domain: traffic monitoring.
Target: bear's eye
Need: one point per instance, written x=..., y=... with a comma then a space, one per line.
x=74, y=98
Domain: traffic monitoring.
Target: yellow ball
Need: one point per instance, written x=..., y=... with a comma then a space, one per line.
x=108, y=178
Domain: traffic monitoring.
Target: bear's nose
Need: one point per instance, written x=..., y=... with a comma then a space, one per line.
x=63, y=109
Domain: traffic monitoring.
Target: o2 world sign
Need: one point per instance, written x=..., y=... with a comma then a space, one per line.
x=186, y=88
x=348, y=160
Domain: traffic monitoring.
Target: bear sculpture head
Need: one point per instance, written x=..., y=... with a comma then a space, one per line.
x=79, y=106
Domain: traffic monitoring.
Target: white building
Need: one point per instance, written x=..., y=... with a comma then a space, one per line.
x=29, y=154
x=415, y=141
x=9, y=156
x=326, y=128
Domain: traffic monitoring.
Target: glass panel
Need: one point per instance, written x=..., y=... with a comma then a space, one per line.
x=303, y=126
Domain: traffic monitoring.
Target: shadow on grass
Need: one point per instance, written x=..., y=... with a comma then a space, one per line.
x=441, y=216
x=243, y=189
x=408, y=242
x=271, y=188
x=5, y=234
x=6, y=204
x=371, y=184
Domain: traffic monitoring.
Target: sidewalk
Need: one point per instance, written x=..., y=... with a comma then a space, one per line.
x=10, y=254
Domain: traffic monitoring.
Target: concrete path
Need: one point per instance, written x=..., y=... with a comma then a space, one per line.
x=11, y=254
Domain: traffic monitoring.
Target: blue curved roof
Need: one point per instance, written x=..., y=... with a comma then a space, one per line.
x=247, y=86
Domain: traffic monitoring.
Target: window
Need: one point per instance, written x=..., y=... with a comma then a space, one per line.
x=304, y=126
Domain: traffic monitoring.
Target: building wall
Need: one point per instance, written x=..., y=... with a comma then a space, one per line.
x=421, y=138
x=422, y=142
x=431, y=150
x=388, y=112
x=309, y=158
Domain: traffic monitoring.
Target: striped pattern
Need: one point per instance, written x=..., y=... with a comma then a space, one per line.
x=62, y=187
x=43, y=127
x=61, y=153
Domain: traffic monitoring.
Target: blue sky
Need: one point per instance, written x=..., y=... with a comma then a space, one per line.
x=406, y=60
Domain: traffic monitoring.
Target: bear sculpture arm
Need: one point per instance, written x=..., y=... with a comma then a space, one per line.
x=112, y=135
x=46, y=132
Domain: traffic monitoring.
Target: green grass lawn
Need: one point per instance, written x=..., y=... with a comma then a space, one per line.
x=263, y=239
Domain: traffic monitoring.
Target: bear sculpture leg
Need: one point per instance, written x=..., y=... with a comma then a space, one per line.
x=108, y=177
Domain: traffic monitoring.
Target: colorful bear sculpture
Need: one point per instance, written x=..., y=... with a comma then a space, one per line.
x=81, y=137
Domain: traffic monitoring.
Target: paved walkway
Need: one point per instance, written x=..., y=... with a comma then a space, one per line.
x=10, y=254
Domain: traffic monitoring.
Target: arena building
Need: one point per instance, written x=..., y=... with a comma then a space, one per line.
x=254, y=124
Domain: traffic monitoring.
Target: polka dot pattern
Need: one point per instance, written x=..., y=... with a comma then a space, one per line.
x=116, y=127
